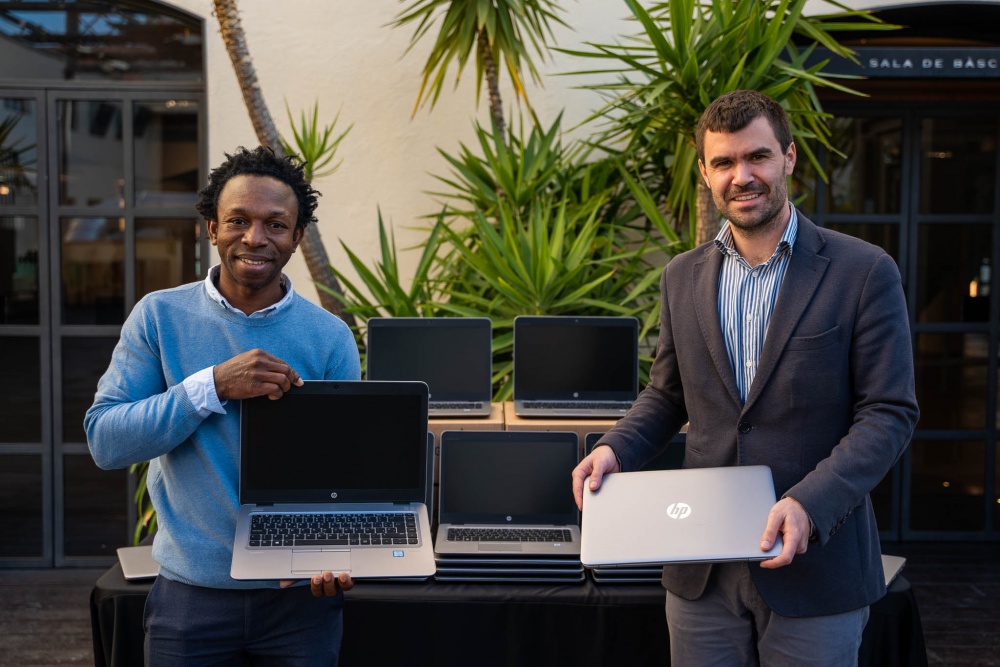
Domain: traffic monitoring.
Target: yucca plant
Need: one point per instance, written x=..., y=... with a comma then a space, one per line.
x=499, y=33
x=317, y=148
x=692, y=51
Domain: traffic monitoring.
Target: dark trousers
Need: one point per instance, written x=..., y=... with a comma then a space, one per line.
x=191, y=626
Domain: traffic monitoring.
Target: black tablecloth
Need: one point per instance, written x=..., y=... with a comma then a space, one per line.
x=501, y=625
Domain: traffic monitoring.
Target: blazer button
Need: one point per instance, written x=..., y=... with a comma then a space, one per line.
x=744, y=427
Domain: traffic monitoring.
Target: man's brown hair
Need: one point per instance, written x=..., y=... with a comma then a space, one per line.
x=735, y=110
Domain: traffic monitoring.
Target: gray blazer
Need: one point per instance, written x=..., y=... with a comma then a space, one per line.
x=831, y=408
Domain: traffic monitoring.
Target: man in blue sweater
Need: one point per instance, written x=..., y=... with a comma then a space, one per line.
x=185, y=356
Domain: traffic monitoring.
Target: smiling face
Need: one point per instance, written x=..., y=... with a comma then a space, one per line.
x=747, y=171
x=255, y=234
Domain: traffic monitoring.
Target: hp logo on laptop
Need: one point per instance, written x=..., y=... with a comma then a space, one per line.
x=679, y=510
x=333, y=495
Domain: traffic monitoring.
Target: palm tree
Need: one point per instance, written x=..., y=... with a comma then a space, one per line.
x=499, y=30
x=691, y=52
x=313, y=250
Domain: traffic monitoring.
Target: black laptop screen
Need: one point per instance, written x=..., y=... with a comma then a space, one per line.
x=452, y=355
x=322, y=439
x=507, y=477
x=564, y=358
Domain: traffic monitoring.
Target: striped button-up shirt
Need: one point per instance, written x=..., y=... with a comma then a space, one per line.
x=746, y=300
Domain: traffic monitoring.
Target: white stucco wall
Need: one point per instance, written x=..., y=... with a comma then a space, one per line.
x=343, y=54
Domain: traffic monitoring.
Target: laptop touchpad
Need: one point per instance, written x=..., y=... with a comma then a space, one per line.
x=317, y=560
x=499, y=546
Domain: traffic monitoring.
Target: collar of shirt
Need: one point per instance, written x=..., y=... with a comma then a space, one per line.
x=216, y=296
x=724, y=239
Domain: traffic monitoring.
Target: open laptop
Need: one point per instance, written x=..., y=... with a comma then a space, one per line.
x=453, y=355
x=575, y=366
x=507, y=493
x=657, y=517
x=347, y=461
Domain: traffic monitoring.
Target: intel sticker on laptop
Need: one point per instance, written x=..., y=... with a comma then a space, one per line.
x=397, y=553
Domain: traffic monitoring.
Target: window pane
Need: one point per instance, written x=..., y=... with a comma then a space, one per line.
x=167, y=254
x=996, y=489
x=947, y=485
x=954, y=276
x=884, y=236
x=20, y=401
x=951, y=372
x=21, y=506
x=18, y=174
x=93, y=270
x=166, y=153
x=91, y=171
x=868, y=179
x=101, y=40
x=958, y=165
x=96, y=508
x=84, y=361
x=18, y=270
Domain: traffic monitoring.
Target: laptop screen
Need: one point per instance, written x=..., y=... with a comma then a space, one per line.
x=335, y=442
x=576, y=358
x=516, y=477
x=453, y=355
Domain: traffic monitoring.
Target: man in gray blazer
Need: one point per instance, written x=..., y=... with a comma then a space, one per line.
x=786, y=345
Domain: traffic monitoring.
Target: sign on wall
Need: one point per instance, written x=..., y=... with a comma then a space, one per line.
x=915, y=62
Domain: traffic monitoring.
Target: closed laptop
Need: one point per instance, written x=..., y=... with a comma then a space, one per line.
x=657, y=517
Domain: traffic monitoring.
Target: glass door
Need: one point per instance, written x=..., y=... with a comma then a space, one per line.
x=108, y=218
x=921, y=182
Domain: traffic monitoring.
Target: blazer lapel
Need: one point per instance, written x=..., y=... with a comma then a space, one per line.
x=805, y=271
x=705, y=282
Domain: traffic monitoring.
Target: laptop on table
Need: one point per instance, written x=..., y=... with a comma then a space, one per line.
x=333, y=476
x=506, y=495
x=659, y=517
x=453, y=355
x=575, y=366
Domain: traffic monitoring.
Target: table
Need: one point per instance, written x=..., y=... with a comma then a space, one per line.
x=501, y=625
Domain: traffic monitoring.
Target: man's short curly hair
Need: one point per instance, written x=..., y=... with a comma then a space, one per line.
x=735, y=110
x=260, y=161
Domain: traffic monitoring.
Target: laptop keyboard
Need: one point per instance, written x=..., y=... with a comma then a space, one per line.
x=579, y=405
x=333, y=529
x=509, y=535
x=435, y=405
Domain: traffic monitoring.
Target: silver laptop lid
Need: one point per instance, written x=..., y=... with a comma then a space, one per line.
x=564, y=358
x=335, y=442
x=453, y=355
x=677, y=516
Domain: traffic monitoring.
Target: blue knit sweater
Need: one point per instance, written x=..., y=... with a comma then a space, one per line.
x=142, y=412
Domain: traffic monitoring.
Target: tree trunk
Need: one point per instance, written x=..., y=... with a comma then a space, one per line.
x=708, y=224
x=313, y=250
x=492, y=83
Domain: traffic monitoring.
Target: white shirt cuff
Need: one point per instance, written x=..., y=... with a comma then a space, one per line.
x=200, y=388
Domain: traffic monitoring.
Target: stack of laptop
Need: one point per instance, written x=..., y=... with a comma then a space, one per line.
x=575, y=366
x=453, y=355
x=333, y=476
x=671, y=458
x=506, y=510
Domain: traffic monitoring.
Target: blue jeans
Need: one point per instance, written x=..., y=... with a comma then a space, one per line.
x=730, y=626
x=193, y=626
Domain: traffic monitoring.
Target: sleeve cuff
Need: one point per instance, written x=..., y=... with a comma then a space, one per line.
x=200, y=388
